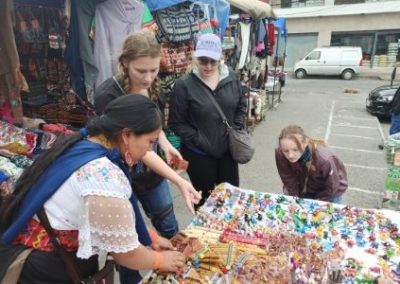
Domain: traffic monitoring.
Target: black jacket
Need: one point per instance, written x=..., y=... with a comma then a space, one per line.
x=109, y=90
x=195, y=119
x=395, y=104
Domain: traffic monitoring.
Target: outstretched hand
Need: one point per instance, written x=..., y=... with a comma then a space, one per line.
x=190, y=194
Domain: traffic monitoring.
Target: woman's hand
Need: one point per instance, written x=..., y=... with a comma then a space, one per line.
x=171, y=152
x=162, y=244
x=189, y=193
x=168, y=149
x=172, y=261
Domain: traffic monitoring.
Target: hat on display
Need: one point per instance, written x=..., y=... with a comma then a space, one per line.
x=208, y=45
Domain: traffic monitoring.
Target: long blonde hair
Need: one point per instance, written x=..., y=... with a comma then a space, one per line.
x=139, y=44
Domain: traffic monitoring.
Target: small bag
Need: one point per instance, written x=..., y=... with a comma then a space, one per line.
x=176, y=23
x=240, y=145
x=176, y=58
x=240, y=141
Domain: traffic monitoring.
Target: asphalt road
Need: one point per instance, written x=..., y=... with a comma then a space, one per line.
x=322, y=108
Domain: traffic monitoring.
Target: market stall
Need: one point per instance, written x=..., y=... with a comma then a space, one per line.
x=244, y=236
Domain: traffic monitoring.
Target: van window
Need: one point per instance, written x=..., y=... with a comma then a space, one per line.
x=350, y=55
x=314, y=55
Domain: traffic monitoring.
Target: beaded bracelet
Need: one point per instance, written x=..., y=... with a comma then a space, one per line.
x=158, y=260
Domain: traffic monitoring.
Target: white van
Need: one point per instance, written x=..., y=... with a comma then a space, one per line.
x=344, y=61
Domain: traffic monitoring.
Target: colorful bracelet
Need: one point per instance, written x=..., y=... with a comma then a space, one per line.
x=158, y=260
x=153, y=236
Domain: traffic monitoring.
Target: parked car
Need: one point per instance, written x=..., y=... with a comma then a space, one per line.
x=344, y=61
x=379, y=100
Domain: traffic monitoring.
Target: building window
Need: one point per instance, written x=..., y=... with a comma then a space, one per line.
x=297, y=3
x=363, y=40
x=387, y=51
x=341, y=2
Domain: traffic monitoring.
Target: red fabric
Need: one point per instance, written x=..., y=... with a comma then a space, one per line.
x=5, y=113
x=271, y=38
x=35, y=236
x=56, y=128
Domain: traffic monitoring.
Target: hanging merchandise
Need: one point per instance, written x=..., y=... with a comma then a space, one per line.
x=176, y=58
x=176, y=24
x=147, y=17
x=10, y=100
x=271, y=38
x=262, y=45
x=124, y=16
x=256, y=9
x=45, y=80
x=219, y=11
x=82, y=35
x=206, y=23
x=245, y=32
x=155, y=5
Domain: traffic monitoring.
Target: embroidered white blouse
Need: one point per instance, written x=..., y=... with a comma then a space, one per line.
x=95, y=201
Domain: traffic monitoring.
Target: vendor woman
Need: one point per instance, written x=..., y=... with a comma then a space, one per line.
x=308, y=168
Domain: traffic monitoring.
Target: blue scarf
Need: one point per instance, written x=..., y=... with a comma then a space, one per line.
x=57, y=173
x=306, y=156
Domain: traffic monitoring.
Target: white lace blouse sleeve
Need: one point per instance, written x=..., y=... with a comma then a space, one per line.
x=108, y=222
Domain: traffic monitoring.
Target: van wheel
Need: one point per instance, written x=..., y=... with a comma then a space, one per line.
x=347, y=74
x=301, y=74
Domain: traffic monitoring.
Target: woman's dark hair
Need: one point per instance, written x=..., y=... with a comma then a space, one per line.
x=134, y=112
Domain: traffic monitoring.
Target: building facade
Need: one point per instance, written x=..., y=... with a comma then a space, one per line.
x=371, y=24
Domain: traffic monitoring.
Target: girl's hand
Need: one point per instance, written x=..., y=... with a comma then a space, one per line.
x=162, y=244
x=189, y=193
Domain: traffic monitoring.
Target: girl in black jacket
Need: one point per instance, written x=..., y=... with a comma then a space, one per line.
x=195, y=119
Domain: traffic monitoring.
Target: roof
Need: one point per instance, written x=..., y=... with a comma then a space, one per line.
x=340, y=10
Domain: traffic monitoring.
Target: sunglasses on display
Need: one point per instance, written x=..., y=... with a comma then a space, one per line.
x=206, y=61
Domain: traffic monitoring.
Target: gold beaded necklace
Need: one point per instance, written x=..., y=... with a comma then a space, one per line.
x=103, y=141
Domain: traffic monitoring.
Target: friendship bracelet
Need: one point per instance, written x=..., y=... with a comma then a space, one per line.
x=158, y=260
x=153, y=236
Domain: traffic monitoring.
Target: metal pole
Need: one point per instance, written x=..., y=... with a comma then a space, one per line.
x=283, y=68
x=374, y=49
x=276, y=65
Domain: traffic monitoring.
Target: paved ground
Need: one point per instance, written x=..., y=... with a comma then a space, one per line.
x=322, y=108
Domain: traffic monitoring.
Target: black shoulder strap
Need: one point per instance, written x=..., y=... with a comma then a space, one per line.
x=72, y=268
x=214, y=101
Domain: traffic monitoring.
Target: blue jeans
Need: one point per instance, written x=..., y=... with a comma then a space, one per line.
x=128, y=276
x=157, y=204
x=337, y=199
x=394, y=124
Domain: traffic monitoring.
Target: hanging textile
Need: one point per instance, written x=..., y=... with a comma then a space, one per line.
x=58, y=4
x=85, y=11
x=10, y=99
x=245, y=29
x=73, y=54
x=281, y=24
x=155, y=5
x=256, y=9
x=271, y=38
x=124, y=16
x=222, y=13
x=147, y=17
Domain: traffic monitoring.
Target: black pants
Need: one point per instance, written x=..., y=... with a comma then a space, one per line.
x=206, y=172
x=48, y=268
